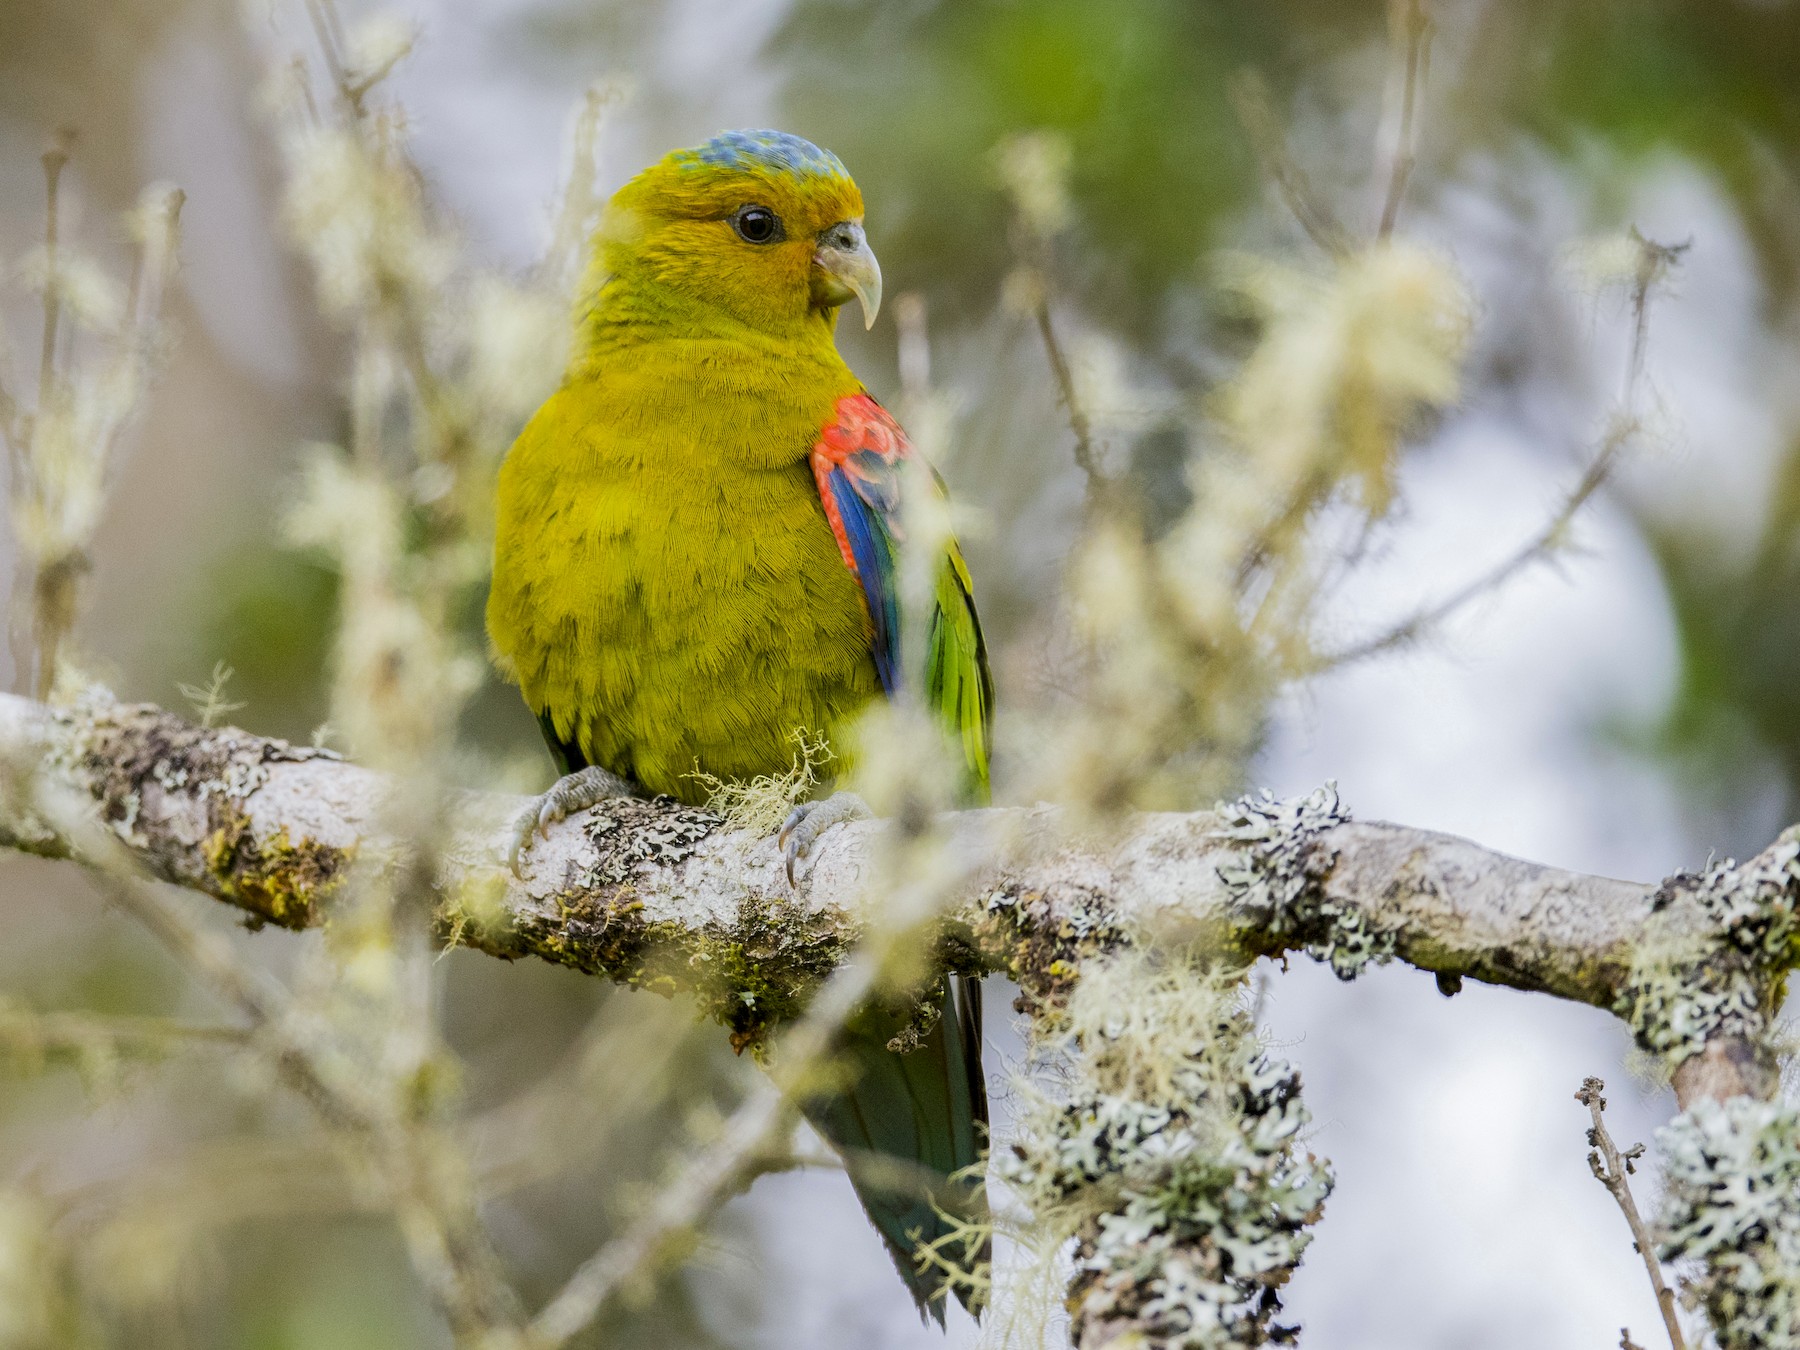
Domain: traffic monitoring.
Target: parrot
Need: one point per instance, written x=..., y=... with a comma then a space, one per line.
x=696, y=559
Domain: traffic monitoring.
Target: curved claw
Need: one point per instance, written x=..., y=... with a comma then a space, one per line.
x=524, y=828
x=809, y=820
x=567, y=795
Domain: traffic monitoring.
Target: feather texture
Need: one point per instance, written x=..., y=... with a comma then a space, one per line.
x=695, y=558
x=857, y=465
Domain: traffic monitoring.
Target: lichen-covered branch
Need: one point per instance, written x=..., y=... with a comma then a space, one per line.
x=664, y=896
x=667, y=897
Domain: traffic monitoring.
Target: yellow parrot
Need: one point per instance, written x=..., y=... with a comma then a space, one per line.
x=695, y=559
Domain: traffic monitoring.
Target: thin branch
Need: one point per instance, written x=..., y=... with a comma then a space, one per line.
x=713, y=1176
x=1035, y=170
x=78, y=1038
x=1654, y=263
x=24, y=634
x=1414, y=31
x=1066, y=392
x=256, y=997
x=1612, y=1169
x=1539, y=547
x=329, y=34
x=552, y=1127
x=449, y=1254
x=1250, y=98
x=448, y=1250
x=55, y=159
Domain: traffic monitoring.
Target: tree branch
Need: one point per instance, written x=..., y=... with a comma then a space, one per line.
x=1411, y=27
x=664, y=896
x=1612, y=1169
x=708, y=1179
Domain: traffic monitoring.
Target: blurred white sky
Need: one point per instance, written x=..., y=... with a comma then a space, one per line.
x=1465, y=1214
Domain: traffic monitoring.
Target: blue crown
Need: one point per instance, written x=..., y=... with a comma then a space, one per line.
x=777, y=150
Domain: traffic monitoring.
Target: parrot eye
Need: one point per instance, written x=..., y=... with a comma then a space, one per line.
x=757, y=225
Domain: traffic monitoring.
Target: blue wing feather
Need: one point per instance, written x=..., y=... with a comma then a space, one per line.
x=857, y=464
x=928, y=1107
x=872, y=544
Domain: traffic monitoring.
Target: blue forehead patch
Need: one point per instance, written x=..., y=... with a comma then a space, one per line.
x=776, y=150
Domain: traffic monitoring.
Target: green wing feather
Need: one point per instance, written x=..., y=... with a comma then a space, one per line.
x=857, y=465
x=926, y=1109
x=957, y=681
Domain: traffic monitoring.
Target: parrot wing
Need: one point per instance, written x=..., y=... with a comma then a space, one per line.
x=857, y=465
x=926, y=1108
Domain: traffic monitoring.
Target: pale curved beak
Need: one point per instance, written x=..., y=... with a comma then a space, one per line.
x=844, y=266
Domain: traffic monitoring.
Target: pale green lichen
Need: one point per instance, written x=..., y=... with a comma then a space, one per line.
x=1274, y=874
x=1732, y=1205
x=1170, y=1153
x=1678, y=997
x=749, y=974
x=759, y=805
x=1047, y=939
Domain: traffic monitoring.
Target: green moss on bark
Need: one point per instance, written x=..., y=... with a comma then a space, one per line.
x=277, y=878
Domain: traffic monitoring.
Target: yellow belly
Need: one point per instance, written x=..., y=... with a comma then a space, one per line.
x=673, y=611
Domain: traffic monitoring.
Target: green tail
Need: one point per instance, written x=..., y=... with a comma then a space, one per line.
x=910, y=1122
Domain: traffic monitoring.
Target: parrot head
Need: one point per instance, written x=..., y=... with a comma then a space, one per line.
x=761, y=225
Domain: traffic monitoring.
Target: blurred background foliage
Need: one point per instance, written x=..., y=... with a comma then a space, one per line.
x=915, y=95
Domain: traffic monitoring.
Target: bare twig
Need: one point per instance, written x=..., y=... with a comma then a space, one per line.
x=1536, y=549
x=23, y=429
x=1411, y=27
x=31, y=1038
x=1066, y=392
x=55, y=159
x=1250, y=98
x=1035, y=170
x=1654, y=263
x=710, y=1178
x=1611, y=1169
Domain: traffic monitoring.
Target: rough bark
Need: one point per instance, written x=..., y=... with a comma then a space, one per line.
x=658, y=895
x=662, y=895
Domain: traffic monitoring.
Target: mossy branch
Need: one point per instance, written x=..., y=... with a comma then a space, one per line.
x=663, y=896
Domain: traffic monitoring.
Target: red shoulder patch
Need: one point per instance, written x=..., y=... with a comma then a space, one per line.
x=861, y=426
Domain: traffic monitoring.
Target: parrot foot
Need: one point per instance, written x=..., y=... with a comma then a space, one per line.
x=571, y=793
x=807, y=821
